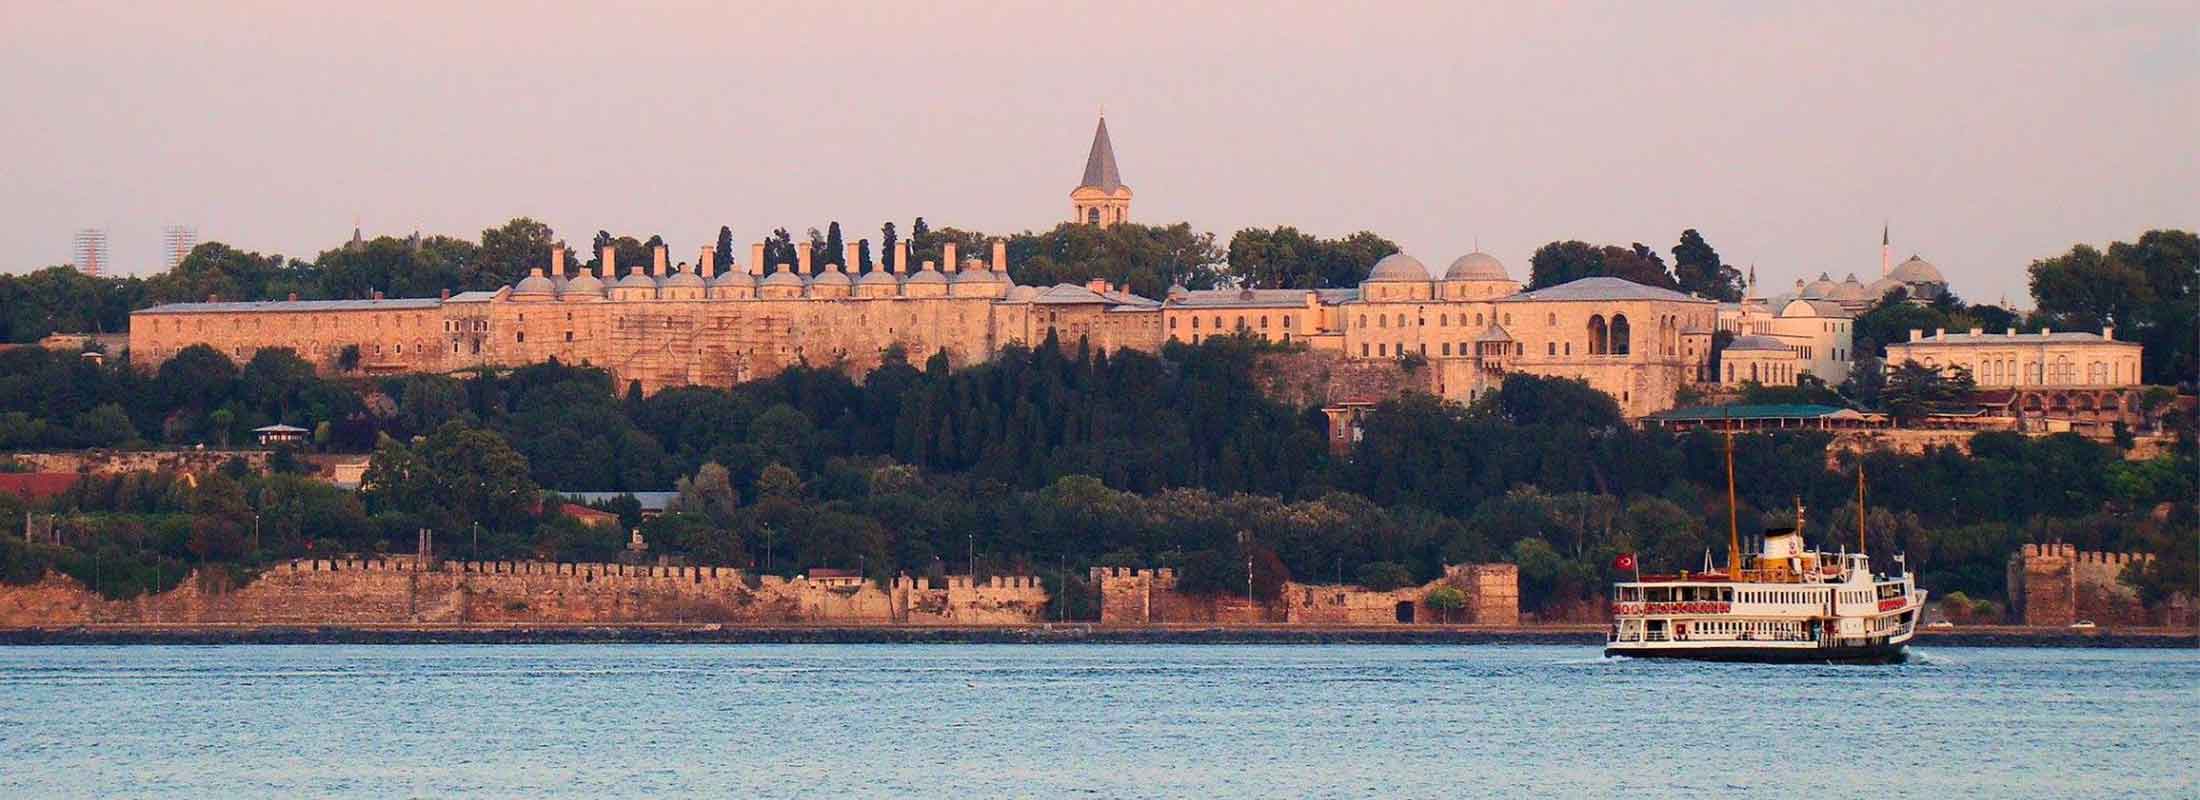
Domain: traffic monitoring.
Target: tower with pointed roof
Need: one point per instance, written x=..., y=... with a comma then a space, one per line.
x=1101, y=198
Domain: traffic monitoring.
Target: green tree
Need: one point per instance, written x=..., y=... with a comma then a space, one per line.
x=723, y=253
x=1383, y=576
x=1698, y=270
x=1286, y=258
x=455, y=477
x=108, y=425
x=508, y=252
x=1914, y=390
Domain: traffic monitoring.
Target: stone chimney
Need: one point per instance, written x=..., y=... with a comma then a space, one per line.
x=901, y=256
x=929, y=266
x=1000, y=256
x=445, y=296
x=947, y=256
x=704, y=263
x=1097, y=286
x=557, y=259
x=1940, y=333
x=1916, y=334
x=847, y=259
x=377, y=294
x=2012, y=332
x=610, y=261
x=802, y=258
x=2108, y=332
x=1976, y=331
x=756, y=259
x=657, y=257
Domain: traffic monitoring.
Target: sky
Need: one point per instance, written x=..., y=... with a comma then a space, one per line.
x=1986, y=135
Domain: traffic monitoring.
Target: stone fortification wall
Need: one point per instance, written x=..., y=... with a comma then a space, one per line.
x=116, y=462
x=2057, y=584
x=398, y=591
x=1314, y=378
x=1145, y=596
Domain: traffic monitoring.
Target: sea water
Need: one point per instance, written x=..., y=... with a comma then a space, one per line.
x=989, y=721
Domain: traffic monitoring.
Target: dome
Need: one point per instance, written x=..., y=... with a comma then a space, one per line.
x=584, y=283
x=1756, y=342
x=973, y=271
x=1023, y=294
x=783, y=277
x=1917, y=270
x=877, y=277
x=535, y=283
x=683, y=280
x=1851, y=290
x=831, y=277
x=1398, y=267
x=637, y=280
x=926, y=276
x=731, y=279
x=1477, y=266
x=1821, y=288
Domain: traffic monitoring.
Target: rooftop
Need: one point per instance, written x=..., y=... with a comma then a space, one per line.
x=2010, y=338
x=1601, y=288
x=388, y=304
x=1747, y=412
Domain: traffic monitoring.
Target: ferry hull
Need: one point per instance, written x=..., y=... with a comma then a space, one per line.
x=1892, y=653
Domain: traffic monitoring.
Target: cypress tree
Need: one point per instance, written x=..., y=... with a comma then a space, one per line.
x=724, y=251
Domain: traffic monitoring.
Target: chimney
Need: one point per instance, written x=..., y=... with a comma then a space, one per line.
x=213, y=298
x=1098, y=286
x=557, y=259
x=378, y=294
x=1916, y=334
x=756, y=259
x=610, y=261
x=294, y=295
x=947, y=256
x=2108, y=332
x=929, y=266
x=802, y=258
x=901, y=256
x=657, y=261
x=445, y=296
x=1976, y=331
x=704, y=265
x=2043, y=332
x=2012, y=332
x=1940, y=333
x=1000, y=256
x=847, y=259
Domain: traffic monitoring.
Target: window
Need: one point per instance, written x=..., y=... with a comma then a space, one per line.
x=1264, y=322
x=1619, y=335
x=569, y=336
x=1195, y=323
x=1172, y=323
x=1382, y=321
x=522, y=336
x=1363, y=320
x=1599, y=336
x=1550, y=348
x=1287, y=322
x=1382, y=350
x=1363, y=349
x=1447, y=348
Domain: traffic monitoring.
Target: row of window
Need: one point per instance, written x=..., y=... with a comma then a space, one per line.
x=1241, y=322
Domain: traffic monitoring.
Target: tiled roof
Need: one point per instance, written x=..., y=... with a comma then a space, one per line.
x=1784, y=411
x=2012, y=340
x=1100, y=171
x=1601, y=288
x=1239, y=298
x=397, y=304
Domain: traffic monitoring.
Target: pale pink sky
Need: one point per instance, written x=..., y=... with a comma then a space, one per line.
x=1988, y=133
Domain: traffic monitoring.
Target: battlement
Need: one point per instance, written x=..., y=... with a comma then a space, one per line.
x=580, y=569
x=2074, y=555
x=1120, y=573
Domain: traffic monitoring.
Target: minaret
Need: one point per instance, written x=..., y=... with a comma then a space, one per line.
x=1886, y=252
x=1100, y=198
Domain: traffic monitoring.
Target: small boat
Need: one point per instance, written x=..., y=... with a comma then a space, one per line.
x=1784, y=604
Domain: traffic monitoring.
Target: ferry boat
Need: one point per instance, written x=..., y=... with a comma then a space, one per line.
x=1784, y=604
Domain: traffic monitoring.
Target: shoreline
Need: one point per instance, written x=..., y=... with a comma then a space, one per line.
x=1066, y=633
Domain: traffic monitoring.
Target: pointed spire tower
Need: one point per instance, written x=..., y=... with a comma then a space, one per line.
x=1886, y=251
x=1101, y=198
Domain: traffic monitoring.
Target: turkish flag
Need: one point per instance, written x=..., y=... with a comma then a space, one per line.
x=1626, y=561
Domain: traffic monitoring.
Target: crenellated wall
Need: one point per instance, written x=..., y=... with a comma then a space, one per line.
x=1143, y=596
x=2057, y=584
x=398, y=591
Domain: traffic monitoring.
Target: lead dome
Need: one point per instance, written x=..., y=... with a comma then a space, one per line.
x=1477, y=266
x=1398, y=267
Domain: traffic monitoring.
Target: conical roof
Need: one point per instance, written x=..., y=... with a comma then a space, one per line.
x=1100, y=172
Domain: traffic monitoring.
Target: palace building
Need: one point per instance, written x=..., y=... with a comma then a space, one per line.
x=663, y=325
x=676, y=325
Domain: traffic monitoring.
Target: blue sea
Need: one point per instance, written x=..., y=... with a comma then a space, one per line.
x=1268, y=722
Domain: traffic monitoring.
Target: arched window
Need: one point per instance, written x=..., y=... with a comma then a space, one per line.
x=1092, y=216
x=1401, y=320
x=1363, y=320
x=1599, y=338
x=1619, y=335
x=1382, y=321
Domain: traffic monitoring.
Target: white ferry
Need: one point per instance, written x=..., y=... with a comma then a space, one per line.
x=1785, y=604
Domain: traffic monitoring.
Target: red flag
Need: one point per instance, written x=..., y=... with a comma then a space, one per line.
x=1626, y=561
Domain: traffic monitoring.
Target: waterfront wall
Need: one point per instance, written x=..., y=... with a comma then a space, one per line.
x=1146, y=596
x=117, y=462
x=2058, y=584
x=398, y=590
